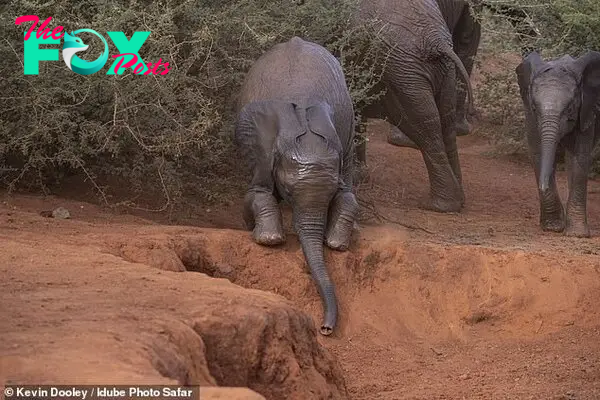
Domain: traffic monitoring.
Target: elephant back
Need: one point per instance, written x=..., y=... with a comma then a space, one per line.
x=303, y=73
x=415, y=28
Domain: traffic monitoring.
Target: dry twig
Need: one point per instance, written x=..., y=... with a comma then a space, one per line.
x=367, y=205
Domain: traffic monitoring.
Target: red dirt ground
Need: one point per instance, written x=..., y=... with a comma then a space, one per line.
x=477, y=305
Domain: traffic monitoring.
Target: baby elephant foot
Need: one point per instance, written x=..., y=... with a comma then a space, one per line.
x=577, y=229
x=268, y=237
x=341, y=221
x=263, y=216
x=552, y=222
x=268, y=230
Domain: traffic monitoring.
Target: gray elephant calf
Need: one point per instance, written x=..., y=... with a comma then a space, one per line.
x=561, y=99
x=295, y=128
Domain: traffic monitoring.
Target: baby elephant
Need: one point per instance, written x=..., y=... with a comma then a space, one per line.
x=295, y=128
x=561, y=99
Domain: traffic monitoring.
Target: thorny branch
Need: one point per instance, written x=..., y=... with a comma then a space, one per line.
x=369, y=210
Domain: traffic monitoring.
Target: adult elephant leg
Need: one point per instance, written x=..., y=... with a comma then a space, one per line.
x=552, y=216
x=446, y=101
x=395, y=136
x=263, y=217
x=418, y=116
x=466, y=43
x=578, y=165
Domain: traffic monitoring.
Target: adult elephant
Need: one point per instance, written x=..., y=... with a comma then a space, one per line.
x=561, y=98
x=466, y=35
x=421, y=97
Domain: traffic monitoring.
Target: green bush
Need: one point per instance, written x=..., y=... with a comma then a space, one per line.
x=497, y=93
x=168, y=133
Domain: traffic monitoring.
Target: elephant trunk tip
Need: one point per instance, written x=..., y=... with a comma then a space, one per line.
x=311, y=238
x=329, y=320
x=326, y=330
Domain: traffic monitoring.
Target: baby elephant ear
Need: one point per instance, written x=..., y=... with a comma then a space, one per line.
x=264, y=120
x=590, y=87
x=525, y=72
x=266, y=114
x=256, y=130
x=320, y=121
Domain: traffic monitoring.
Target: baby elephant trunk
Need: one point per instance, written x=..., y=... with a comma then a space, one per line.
x=549, y=127
x=311, y=231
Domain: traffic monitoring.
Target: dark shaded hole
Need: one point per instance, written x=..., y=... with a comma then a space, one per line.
x=169, y=363
x=194, y=259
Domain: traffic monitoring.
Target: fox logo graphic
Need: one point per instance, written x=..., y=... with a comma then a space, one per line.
x=128, y=49
x=72, y=45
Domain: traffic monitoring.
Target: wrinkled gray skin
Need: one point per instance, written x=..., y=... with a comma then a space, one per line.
x=421, y=76
x=466, y=35
x=295, y=127
x=561, y=100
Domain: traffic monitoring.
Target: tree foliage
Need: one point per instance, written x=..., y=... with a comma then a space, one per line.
x=170, y=132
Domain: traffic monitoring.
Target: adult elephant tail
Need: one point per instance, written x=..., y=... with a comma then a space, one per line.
x=463, y=72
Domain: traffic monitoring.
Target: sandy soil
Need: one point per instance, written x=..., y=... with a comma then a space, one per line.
x=476, y=305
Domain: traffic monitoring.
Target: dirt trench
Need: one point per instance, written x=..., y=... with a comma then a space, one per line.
x=73, y=313
x=431, y=304
x=436, y=291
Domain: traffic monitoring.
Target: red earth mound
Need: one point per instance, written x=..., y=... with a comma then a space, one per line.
x=74, y=314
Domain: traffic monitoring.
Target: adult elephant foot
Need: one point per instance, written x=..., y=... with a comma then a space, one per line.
x=552, y=217
x=397, y=138
x=577, y=229
x=447, y=194
x=552, y=224
x=341, y=220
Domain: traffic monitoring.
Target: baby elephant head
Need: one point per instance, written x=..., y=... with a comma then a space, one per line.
x=307, y=158
x=560, y=97
x=303, y=152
